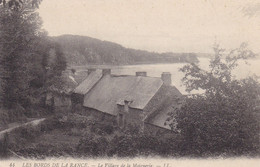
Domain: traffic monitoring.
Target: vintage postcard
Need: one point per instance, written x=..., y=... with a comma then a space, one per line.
x=129, y=83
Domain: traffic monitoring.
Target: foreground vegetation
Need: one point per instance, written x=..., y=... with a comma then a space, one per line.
x=80, y=136
x=226, y=117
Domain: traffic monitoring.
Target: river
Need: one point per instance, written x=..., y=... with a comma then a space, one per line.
x=155, y=70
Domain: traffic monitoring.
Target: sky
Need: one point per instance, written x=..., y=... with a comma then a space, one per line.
x=158, y=25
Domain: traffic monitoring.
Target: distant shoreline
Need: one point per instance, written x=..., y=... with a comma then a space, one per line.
x=81, y=50
x=111, y=65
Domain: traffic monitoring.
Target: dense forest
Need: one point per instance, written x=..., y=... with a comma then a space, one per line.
x=81, y=50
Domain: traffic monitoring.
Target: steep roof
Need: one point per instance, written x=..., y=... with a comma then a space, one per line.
x=160, y=118
x=80, y=76
x=170, y=97
x=68, y=81
x=89, y=82
x=112, y=90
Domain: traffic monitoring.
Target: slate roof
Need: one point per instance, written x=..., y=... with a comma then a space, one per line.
x=69, y=81
x=160, y=118
x=80, y=76
x=172, y=99
x=112, y=90
x=88, y=83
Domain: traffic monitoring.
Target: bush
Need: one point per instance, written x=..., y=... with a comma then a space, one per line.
x=56, y=122
x=148, y=145
x=34, y=111
x=92, y=147
x=50, y=124
x=4, y=143
x=108, y=129
x=102, y=128
x=123, y=146
x=12, y=115
x=27, y=132
x=78, y=121
x=4, y=119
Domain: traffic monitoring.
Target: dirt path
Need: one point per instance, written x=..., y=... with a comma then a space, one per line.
x=33, y=123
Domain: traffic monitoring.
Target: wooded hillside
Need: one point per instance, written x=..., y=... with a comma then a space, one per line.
x=81, y=50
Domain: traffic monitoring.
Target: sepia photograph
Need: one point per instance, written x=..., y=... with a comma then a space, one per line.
x=137, y=80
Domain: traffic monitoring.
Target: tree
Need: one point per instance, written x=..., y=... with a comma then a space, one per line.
x=30, y=60
x=20, y=30
x=18, y=3
x=224, y=119
x=49, y=62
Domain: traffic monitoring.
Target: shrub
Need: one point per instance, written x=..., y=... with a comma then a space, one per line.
x=92, y=147
x=102, y=128
x=50, y=124
x=4, y=143
x=4, y=119
x=123, y=146
x=78, y=121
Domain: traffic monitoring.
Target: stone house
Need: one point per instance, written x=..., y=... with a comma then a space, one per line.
x=124, y=99
x=59, y=95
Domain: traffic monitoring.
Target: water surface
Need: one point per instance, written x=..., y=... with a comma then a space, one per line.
x=155, y=70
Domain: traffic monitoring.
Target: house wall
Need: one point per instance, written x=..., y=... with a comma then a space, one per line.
x=97, y=115
x=76, y=101
x=160, y=100
x=132, y=117
x=58, y=100
x=77, y=98
x=62, y=100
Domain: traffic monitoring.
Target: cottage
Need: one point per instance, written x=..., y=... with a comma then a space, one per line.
x=124, y=99
x=59, y=94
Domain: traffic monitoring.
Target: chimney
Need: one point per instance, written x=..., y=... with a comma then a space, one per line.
x=106, y=71
x=90, y=70
x=141, y=73
x=166, y=78
x=126, y=105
